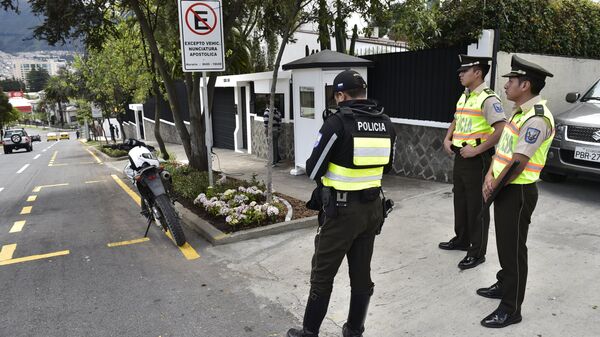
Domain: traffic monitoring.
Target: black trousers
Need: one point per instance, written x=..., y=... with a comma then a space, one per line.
x=276, y=157
x=471, y=231
x=512, y=213
x=351, y=234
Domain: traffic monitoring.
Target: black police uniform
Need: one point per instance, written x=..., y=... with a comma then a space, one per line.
x=349, y=221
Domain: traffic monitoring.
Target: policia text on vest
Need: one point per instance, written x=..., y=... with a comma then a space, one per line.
x=353, y=150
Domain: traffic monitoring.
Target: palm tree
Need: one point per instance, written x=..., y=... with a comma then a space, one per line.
x=58, y=90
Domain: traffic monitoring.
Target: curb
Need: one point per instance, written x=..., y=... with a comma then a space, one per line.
x=216, y=237
x=104, y=156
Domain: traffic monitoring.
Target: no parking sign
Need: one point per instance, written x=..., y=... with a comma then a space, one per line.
x=201, y=31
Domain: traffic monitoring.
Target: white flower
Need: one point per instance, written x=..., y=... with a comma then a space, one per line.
x=252, y=204
x=272, y=211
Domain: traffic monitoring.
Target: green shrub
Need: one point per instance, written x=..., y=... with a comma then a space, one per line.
x=113, y=152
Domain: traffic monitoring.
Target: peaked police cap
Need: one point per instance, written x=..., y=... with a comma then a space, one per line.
x=467, y=61
x=521, y=67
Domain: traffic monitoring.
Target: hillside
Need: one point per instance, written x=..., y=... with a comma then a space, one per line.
x=16, y=32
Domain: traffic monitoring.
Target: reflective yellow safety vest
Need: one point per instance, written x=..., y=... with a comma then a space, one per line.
x=470, y=123
x=508, y=142
x=371, y=148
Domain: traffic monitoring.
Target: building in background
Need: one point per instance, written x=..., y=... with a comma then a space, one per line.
x=22, y=66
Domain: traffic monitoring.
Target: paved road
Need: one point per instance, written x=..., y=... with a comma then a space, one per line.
x=59, y=210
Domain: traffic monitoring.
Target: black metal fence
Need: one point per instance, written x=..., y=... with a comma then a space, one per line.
x=421, y=85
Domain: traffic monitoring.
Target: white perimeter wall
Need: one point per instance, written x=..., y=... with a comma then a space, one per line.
x=570, y=74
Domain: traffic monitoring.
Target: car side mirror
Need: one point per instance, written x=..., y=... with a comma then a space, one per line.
x=572, y=97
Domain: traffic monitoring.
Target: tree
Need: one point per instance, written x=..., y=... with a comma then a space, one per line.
x=58, y=90
x=288, y=16
x=115, y=75
x=8, y=113
x=12, y=85
x=416, y=22
x=36, y=79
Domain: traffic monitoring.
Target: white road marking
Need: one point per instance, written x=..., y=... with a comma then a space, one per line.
x=36, y=157
x=1, y=189
x=23, y=169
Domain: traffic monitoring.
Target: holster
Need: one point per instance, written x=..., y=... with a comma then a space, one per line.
x=387, y=208
x=315, y=203
x=328, y=200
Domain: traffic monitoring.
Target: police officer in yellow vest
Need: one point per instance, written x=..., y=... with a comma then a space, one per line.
x=526, y=138
x=478, y=123
x=353, y=150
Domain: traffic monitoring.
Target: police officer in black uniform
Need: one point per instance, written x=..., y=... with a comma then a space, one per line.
x=353, y=150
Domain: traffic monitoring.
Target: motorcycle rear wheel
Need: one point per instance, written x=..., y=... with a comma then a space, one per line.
x=169, y=216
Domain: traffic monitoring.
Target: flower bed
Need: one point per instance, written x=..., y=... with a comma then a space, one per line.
x=230, y=205
x=242, y=206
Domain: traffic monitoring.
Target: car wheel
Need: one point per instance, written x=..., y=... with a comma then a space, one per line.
x=553, y=177
x=7, y=150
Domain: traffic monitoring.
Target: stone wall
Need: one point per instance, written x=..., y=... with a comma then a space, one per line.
x=286, y=140
x=129, y=130
x=167, y=131
x=420, y=153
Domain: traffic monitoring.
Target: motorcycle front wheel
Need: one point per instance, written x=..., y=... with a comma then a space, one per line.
x=170, y=218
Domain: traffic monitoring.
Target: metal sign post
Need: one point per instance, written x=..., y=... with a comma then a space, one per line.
x=202, y=49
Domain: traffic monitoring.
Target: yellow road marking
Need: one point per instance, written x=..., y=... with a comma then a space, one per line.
x=31, y=198
x=34, y=257
x=51, y=163
x=17, y=226
x=57, y=164
x=128, y=190
x=93, y=155
x=188, y=251
x=39, y=188
x=26, y=210
x=7, y=252
x=94, y=181
x=125, y=243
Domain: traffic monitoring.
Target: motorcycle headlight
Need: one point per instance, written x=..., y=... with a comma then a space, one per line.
x=560, y=131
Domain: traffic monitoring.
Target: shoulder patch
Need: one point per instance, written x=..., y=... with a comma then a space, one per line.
x=539, y=109
x=498, y=107
x=489, y=91
x=531, y=135
x=318, y=139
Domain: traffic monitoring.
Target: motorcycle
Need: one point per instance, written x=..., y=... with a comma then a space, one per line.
x=153, y=183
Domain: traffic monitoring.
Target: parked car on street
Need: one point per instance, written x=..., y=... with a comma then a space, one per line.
x=575, y=150
x=51, y=136
x=64, y=135
x=16, y=139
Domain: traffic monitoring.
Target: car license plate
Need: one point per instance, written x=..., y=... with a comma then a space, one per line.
x=588, y=154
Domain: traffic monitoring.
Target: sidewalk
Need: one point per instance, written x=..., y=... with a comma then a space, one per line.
x=419, y=289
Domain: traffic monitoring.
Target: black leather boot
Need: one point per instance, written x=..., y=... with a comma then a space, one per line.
x=316, y=308
x=355, y=326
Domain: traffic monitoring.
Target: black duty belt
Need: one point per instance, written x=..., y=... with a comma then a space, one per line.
x=347, y=196
x=456, y=149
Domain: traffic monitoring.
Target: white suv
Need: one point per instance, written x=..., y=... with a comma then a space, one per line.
x=16, y=139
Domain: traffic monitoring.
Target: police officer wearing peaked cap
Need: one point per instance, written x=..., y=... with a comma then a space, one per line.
x=353, y=150
x=526, y=138
x=475, y=130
